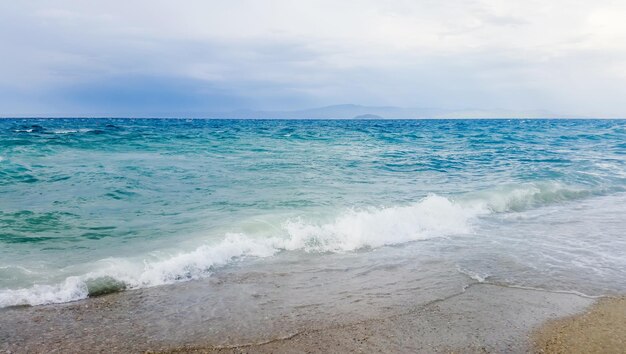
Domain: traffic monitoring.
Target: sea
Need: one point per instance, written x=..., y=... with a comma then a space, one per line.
x=95, y=206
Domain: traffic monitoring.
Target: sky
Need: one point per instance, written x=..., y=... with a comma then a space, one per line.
x=125, y=58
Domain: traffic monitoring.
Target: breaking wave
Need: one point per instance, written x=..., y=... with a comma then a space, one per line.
x=434, y=216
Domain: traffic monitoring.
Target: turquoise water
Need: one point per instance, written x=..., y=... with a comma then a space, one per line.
x=97, y=205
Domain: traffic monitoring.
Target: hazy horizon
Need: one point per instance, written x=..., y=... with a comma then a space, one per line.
x=339, y=111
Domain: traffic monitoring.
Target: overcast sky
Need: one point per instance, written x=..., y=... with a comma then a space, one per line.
x=153, y=57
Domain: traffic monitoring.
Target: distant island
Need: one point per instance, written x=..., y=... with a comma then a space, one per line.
x=368, y=116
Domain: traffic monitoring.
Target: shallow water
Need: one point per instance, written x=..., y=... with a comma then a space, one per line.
x=99, y=205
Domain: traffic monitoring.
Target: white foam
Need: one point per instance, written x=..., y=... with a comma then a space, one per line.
x=434, y=216
x=199, y=262
x=71, y=131
x=481, y=278
x=72, y=289
x=183, y=266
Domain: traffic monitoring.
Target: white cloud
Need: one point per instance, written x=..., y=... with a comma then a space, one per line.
x=566, y=56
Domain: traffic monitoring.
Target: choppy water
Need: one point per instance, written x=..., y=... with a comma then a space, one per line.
x=96, y=205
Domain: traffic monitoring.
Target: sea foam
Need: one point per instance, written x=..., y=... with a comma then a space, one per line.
x=353, y=229
x=433, y=216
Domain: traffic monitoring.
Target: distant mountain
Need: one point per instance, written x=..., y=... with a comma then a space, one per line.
x=352, y=111
x=342, y=111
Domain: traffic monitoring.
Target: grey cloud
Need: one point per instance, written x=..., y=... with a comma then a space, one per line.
x=65, y=58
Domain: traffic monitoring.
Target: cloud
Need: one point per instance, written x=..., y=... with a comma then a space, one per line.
x=157, y=56
x=161, y=95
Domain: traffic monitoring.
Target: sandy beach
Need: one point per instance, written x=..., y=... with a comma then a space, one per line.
x=240, y=311
x=600, y=329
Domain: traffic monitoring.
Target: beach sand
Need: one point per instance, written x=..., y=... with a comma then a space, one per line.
x=601, y=329
x=483, y=318
x=317, y=307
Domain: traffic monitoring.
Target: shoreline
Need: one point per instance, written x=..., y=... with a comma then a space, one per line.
x=481, y=318
x=380, y=301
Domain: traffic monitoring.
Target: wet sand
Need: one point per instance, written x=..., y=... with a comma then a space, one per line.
x=601, y=329
x=483, y=318
x=379, y=303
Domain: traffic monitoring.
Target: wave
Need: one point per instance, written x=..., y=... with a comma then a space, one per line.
x=72, y=131
x=119, y=274
x=64, y=131
x=433, y=216
x=40, y=129
x=354, y=229
x=519, y=197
